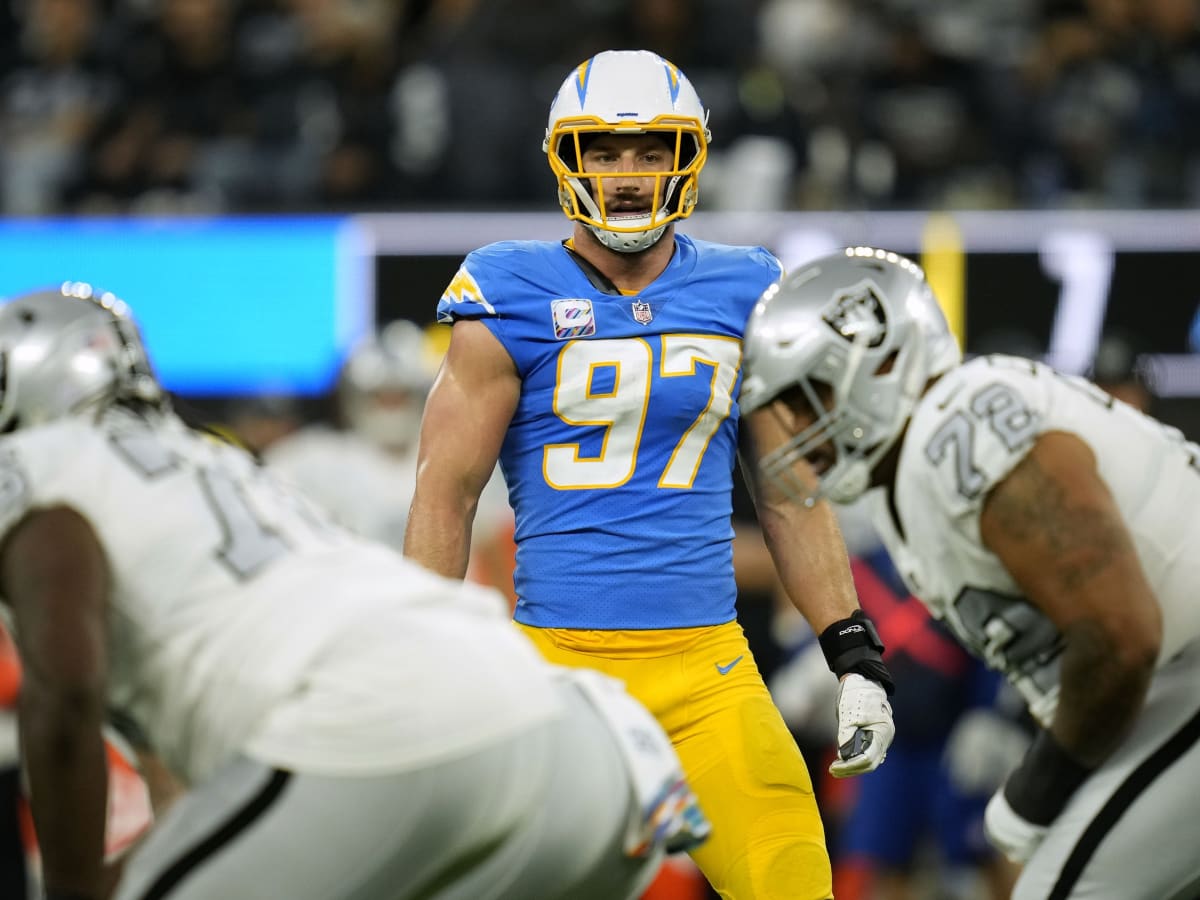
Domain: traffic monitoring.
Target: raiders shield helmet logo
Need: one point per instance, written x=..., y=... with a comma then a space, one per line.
x=858, y=311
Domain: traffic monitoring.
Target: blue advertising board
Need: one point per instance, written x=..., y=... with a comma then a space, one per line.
x=228, y=306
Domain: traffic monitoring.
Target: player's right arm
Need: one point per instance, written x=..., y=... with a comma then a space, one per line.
x=1056, y=528
x=466, y=416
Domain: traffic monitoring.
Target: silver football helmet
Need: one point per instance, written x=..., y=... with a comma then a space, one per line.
x=384, y=382
x=67, y=350
x=859, y=334
x=626, y=92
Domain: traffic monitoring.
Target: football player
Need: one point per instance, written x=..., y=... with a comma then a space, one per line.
x=1053, y=528
x=602, y=371
x=348, y=725
x=363, y=473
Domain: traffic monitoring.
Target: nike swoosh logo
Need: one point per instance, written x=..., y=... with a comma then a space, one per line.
x=724, y=670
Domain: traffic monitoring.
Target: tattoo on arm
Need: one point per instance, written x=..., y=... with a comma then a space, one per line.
x=1105, y=695
x=1058, y=531
x=1032, y=509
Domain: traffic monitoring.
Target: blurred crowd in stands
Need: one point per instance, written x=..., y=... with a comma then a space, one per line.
x=297, y=105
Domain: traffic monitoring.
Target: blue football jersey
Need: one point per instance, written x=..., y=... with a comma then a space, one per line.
x=619, y=458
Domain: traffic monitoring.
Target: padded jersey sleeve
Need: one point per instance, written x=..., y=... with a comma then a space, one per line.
x=771, y=262
x=490, y=274
x=58, y=463
x=757, y=269
x=968, y=433
x=463, y=297
x=498, y=285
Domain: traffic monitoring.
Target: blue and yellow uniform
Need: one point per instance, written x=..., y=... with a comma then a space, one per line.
x=619, y=460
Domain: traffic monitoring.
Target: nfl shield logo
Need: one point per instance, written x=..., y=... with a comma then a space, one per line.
x=642, y=314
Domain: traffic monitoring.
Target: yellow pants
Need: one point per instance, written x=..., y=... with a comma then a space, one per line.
x=705, y=689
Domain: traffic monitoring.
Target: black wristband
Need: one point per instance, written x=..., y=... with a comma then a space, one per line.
x=1041, y=785
x=853, y=645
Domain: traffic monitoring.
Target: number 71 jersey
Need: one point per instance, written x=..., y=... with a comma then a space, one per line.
x=619, y=457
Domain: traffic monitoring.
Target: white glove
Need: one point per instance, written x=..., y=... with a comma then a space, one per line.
x=1015, y=837
x=982, y=749
x=865, y=727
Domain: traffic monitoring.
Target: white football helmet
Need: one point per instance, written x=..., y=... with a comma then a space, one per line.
x=859, y=334
x=384, y=382
x=67, y=350
x=626, y=92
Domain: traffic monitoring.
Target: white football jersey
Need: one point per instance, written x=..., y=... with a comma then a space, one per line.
x=241, y=619
x=970, y=431
x=366, y=488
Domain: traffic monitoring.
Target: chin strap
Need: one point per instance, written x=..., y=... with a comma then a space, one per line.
x=621, y=242
x=628, y=242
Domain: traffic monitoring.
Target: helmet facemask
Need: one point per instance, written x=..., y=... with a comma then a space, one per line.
x=853, y=423
x=582, y=196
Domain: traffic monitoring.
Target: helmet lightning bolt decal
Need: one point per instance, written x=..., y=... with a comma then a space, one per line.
x=672, y=81
x=581, y=79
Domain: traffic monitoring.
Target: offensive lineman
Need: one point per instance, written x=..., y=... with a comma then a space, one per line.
x=1056, y=531
x=349, y=725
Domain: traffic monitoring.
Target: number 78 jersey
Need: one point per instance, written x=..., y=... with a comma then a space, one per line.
x=968, y=432
x=619, y=458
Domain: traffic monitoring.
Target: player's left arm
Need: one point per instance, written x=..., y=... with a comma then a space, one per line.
x=810, y=557
x=805, y=543
x=1056, y=528
x=54, y=574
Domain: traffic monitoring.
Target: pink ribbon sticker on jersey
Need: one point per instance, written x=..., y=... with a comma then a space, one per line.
x=572, y=318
